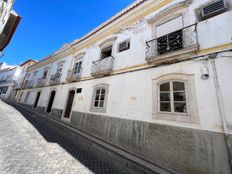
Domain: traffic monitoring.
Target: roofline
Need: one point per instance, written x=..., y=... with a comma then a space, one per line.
x=97, y=29
x=27, y=62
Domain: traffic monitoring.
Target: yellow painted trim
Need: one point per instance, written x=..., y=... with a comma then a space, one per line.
x=215, y=49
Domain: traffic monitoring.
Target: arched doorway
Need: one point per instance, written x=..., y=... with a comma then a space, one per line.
x=37, y=100
x=69, y=104
x=50, y=103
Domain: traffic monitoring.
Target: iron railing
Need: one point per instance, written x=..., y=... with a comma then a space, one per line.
x=177, y=40
x=103, y=66
x=55, y=78
x=74, y=74
x=40, y=82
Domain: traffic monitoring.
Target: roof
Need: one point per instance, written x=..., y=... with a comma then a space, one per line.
x=99, y=28
x=29, y=60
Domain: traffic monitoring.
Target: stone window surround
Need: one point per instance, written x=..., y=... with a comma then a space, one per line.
x=103, y=109
x=106, y=43
x=192, y=111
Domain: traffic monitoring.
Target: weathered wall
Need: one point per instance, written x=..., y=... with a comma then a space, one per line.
x=187, y=150
x=56, y=113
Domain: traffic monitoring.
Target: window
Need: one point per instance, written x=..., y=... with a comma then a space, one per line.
x=106, y=52
x=45, y=74
x=99, y=99
x=172, y=97
x=3, y=90
x=27, y=96
x=124, y=46
x=77, y=67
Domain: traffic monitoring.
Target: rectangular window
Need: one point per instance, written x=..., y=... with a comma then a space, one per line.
x=124, y=46
x=77, y=67
x=45, y=74
x=173, y=97
x=106, y=52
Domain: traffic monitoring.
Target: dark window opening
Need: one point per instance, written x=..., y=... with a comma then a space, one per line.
x=106, y=52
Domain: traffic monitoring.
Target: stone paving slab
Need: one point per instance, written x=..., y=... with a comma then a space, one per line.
x=31, y=145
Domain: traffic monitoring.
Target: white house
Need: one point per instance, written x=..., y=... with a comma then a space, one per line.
x=9, y=21
x=154, y=81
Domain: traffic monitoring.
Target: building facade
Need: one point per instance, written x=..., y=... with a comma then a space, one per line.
x=154, y=80
x=9, y=21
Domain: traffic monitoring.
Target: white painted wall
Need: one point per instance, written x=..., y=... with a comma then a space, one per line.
x=130, y=94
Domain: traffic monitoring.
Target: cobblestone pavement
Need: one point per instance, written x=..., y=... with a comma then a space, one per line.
x=33, y=145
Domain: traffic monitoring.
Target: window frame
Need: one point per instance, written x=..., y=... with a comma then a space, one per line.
x=172, y=101
x=190, y=93
x=79, y=61
x=99, y=109
x=128, y=41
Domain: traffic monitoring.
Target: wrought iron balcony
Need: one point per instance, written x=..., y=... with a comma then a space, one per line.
x=28, y=84
x=102, y=67
x=176, y=43
x=55, y=79
x=40, y=82
x=4, y=81
x=74, y=75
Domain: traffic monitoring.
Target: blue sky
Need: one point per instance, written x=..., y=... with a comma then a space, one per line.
x=47, y=25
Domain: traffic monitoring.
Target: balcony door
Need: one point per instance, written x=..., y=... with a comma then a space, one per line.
x=69, y=104
x=51, y=100
x=37, y=100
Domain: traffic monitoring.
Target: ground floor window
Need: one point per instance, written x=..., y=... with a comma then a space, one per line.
x=174, y=98
x=99, y=99
x=4, y=89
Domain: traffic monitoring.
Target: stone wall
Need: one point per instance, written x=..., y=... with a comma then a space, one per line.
x=40, y=109
x=186, y=150
x=56, y=113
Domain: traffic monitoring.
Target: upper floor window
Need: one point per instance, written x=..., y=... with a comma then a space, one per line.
x=106, y=52
x=172, y=97
x=77, y=67
x=99, y=99
x=45, y=74
x=123, y=46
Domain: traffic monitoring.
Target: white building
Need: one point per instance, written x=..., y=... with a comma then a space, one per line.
x=8, y=79
x=9, y=21
x=154, y=80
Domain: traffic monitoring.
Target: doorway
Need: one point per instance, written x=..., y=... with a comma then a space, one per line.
x=69, y=104
x=50, y=103
x=37, y=100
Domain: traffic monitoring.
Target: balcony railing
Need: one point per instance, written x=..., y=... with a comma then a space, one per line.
x=102, y=67
x=28, y=84
x=74, y=75
x=40, y=82
x=177, y=42
x=55, y=79
x=6, y=81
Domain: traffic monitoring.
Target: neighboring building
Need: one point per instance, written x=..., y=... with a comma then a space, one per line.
x=154, y=80
x=21, y=78
x=9, y=21
x=8, y=79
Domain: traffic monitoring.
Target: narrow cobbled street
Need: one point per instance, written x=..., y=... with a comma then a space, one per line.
x=30, y=144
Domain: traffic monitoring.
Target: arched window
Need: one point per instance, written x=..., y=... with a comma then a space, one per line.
x=172, y=97
x=99, y=99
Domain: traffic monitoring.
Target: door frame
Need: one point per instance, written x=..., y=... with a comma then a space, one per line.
x=36, y=99
x=65, y=106
x=49, y=100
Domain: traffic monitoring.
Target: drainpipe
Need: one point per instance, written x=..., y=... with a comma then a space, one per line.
x=221, y=106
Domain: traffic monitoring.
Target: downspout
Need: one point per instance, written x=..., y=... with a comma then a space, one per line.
x=221, y=107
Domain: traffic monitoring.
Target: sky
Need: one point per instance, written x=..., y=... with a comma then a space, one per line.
x=47, y=25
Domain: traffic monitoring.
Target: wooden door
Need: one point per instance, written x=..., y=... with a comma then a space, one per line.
x=50, y=103
x=69, y=103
